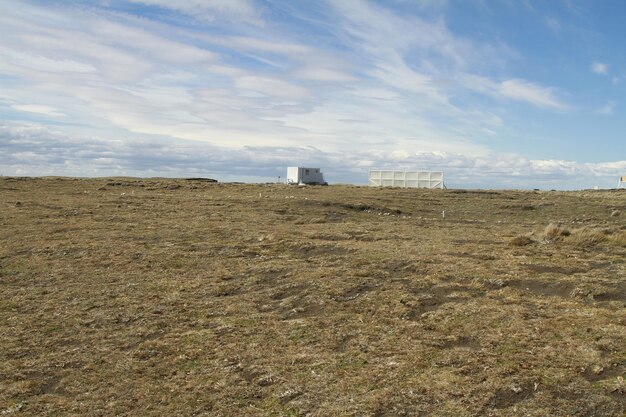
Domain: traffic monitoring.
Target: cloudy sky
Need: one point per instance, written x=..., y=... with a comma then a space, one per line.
x=496, y=93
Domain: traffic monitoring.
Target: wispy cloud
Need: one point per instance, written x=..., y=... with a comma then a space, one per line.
x=607, y=109
x=553, y=24
x=270, y=86
x=38, y=108
x=236, y=84
x=210, y=10
x=533, y=93
x=515, y=89
x=599, y=68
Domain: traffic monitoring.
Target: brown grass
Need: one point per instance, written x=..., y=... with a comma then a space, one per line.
x=618, y=238
x=586, y=237
x=554, y=232
x=155, y=297
x=521, y=240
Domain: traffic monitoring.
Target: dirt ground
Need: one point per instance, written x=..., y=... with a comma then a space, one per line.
x=159, y=297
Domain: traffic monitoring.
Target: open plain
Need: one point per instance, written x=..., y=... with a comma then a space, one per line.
x=125, y=296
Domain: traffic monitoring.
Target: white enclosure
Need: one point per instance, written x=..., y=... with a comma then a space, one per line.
x=405, y=179
x=622, y=181
x=300, y=175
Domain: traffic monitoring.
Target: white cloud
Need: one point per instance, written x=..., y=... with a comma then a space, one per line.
x=599, y=68
x=384, y=34
x=271, y=86
x=41, y=63
x=514, y=89
x=247, y=43
x=94, y=47
x=50, y=152
x=535, y=94
x=398, y=75
x=388, y=43
x=376, y=88
x=130, y=38
x=323, y=74
x=38, y=108
x=211, y=10
x=477, y=83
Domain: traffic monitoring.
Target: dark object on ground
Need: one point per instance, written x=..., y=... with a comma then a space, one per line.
x=201, y=179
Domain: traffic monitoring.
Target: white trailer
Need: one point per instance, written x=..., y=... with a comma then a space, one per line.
x=302, y=175
x=405, y=179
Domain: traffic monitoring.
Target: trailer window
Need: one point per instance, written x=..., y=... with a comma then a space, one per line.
x=306, y=172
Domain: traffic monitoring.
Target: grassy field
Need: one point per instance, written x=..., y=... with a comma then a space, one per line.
x=174, y=297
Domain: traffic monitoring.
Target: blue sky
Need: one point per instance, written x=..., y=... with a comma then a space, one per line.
x=497, y=94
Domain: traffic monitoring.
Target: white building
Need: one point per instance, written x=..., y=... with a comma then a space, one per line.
x=405, y=179
x=301, y=175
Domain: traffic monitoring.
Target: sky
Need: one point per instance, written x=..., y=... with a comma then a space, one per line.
x=495, y=93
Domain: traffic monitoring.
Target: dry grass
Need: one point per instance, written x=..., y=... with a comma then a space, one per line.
x=168, y=297
x=554, y=232
x=586, y=237
x=521, y=240
x=618, y=238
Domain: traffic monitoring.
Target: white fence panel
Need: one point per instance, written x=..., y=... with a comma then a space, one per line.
x=405, y=179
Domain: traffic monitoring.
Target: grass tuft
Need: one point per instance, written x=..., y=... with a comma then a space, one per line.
x=587, y=237
x=618, y=239
x=521, y=240
x=554, y=232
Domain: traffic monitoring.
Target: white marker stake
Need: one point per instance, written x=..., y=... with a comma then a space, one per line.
x=443, y=214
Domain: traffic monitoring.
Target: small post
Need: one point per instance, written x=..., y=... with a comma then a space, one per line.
x=443, y=214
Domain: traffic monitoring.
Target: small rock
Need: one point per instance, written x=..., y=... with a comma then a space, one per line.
x=289, y=395
x=267, y=380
